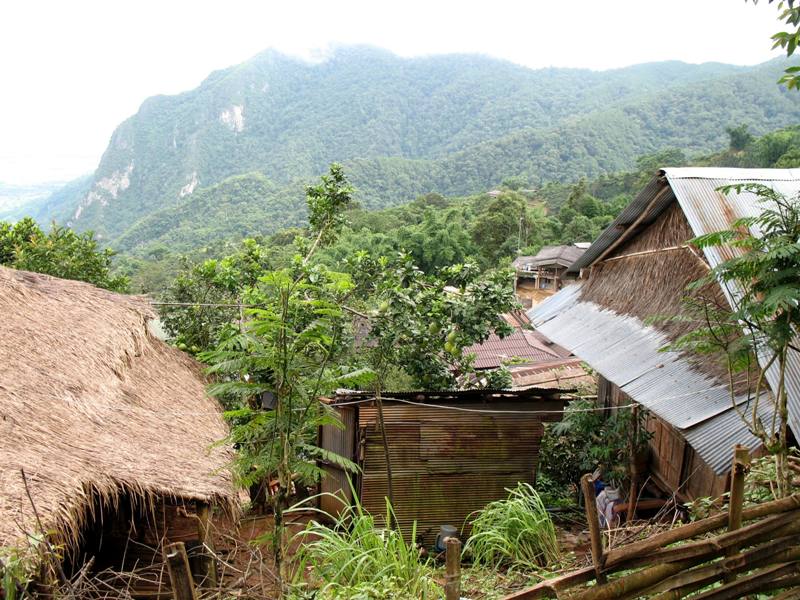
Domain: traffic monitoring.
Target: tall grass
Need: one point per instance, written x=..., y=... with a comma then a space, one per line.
x=514, y=531
x=354, y=558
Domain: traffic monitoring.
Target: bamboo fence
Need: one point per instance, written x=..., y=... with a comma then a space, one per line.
x=726, y=556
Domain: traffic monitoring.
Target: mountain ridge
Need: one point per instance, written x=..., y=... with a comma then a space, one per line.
x=450, y=123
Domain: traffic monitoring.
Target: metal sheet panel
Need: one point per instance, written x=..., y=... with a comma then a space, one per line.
x=341, y=441
x=446, y=464
x=628, y=353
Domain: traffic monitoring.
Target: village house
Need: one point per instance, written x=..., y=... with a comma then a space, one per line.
x=542, y=275
x=639, y=268
x=106, y=433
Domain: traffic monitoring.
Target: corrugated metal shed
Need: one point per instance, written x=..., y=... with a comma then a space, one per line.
x=451, y=452
x=626, y=351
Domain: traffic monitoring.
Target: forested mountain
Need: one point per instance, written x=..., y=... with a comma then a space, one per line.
x=249, y=136
x=435, y=230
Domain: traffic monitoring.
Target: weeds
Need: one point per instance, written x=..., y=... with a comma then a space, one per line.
x=514, y=531
x=17, y=570
x=354, y=559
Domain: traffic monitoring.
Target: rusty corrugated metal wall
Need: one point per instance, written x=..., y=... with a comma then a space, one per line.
x=446, y=464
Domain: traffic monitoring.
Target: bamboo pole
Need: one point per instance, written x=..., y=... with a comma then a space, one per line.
x=633, y=583
x=551, y=587
x=645, y=547
x=745, y=536
x=452, y=581
x=771, y=578
x=207, y=566
x=741, y=465
x=682, y=584
x=179, y=574
x=590, y=505
x=792, y=594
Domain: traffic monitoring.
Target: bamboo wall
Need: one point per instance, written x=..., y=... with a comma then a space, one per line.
x=674, y=466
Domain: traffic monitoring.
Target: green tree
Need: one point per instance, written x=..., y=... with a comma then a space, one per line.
x=789, y=13
x=739, y=137
x=203, y=299
x=498, y=228
x=423, y=322
x=61, y=252
x=276, y=363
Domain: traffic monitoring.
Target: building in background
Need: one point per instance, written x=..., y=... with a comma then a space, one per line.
x=540, y=276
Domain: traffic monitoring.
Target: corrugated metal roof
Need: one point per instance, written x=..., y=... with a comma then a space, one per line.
x=653, y=195
x=563, y=255
x=708, y=210
x=521, y=345
x=451, y=396
x=625, y=350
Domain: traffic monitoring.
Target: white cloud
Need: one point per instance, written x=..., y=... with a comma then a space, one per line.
x=71, y=71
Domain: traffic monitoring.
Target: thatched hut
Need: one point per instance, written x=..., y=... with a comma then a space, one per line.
x=639, y=268
x=110, y=429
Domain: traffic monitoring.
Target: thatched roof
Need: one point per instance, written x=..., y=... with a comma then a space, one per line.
x=92, y=403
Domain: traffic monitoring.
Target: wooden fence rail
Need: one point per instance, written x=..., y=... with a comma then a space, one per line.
x=758, y=551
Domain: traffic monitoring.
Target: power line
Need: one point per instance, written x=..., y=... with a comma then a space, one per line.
x=485, y=411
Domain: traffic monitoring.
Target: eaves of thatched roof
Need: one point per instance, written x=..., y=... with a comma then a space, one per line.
x=91, y=403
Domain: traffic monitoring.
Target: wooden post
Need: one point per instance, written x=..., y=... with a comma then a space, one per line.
x=589, y=500
x=741, y=465
x=452, y=578
x=207, y=563
x=179, y=573
x=633, y=493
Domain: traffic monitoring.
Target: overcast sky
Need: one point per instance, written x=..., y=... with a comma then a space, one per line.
x=73, y=69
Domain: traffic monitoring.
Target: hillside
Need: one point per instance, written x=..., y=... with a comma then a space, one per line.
x=17, y=201
x=453, y=124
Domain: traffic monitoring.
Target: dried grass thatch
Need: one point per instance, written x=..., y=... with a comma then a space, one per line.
x=93, y=405
x=650, y=281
